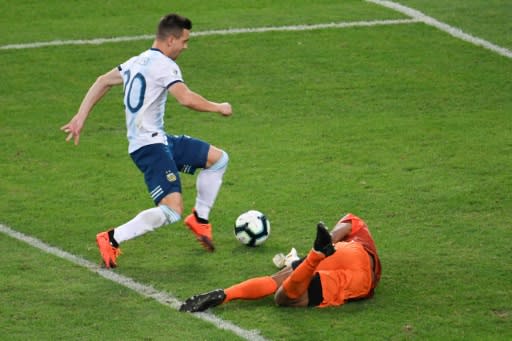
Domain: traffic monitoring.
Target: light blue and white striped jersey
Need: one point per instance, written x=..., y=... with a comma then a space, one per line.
x=147, y=78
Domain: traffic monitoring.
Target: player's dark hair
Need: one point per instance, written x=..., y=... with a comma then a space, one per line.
x=172, y=24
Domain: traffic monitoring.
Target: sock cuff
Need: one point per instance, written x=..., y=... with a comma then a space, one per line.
x=171, y=215
x=314, y=257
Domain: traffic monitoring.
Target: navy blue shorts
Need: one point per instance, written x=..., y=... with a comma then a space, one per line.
x=161, y=164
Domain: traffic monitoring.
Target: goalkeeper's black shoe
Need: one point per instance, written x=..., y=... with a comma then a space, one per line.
x=204, y=301
x=323, y=241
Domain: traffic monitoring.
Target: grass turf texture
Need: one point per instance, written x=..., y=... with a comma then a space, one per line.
x=403, y=125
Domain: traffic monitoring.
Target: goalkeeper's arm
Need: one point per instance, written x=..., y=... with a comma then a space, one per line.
x=340, y=231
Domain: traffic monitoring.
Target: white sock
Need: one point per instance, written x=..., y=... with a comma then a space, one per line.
x=208, y=185
x=146, y=221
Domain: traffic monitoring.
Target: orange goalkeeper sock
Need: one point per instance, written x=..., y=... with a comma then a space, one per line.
x=298, y=282
x=251, y=289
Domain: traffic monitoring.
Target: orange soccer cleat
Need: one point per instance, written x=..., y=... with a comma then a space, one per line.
x=108, y=252
x=202, y=231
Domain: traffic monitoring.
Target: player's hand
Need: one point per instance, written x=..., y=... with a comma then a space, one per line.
x=225, y=109
x=73, y=129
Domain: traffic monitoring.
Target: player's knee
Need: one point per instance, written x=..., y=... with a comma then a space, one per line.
x=221, y=163
x=174, y=202
x=283, y=299
x=280, y=297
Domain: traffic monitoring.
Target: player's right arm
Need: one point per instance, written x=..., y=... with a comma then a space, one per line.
x=96, y=92
x=194, y=101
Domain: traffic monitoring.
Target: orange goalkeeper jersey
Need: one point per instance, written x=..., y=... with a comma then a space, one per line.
x=361, y=234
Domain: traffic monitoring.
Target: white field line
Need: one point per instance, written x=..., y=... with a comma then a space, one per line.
x=453, y=31
x=142, y=289
x=99, y=41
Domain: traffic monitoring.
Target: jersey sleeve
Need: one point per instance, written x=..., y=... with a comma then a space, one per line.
x=125, y=65
x=172, y=76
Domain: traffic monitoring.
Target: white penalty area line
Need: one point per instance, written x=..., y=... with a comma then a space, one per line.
x=453, y=31
x=232, y=31
x=142, y=289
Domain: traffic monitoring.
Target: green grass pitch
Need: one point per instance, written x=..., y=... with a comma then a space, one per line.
x=403, y=125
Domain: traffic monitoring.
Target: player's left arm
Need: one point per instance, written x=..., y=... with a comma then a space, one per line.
x=194, y=101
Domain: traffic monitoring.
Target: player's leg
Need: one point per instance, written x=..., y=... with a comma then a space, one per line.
x=192, y=154
x=254, y=289
x=209, y=181
x=251, y=289
x=294, y=291
x=258, y=287
x=162, y=179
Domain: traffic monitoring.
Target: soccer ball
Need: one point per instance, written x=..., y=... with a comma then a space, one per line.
x=252, y=228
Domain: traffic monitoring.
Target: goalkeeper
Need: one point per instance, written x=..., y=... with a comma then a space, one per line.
x=342, y=266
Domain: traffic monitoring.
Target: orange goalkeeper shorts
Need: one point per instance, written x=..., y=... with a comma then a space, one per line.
x=345, y=275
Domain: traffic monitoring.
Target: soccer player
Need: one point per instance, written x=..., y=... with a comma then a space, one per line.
x=147, y=80
x=342, y=266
